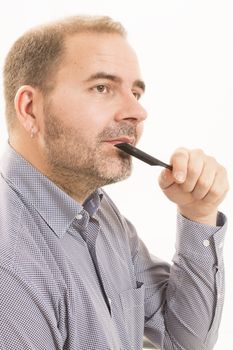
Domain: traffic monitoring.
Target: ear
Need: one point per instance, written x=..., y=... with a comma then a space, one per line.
x=24, y=100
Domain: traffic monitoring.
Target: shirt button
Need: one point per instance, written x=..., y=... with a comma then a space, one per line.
x=206, y=243
x=79, y=216
x=221, y=245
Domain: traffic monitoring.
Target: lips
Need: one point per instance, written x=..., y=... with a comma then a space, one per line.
x=122, y=139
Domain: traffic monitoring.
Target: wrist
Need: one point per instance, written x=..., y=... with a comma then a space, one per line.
x=210, y=219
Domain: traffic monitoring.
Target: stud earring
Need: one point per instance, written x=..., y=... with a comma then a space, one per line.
x=33, y=132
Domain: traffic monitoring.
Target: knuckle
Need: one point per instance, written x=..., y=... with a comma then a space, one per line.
x=216, y=192
x=222, y=170
x=212, y=160
x=224, y=176
x=181, y=152
x=203, y=183
x=198, y=152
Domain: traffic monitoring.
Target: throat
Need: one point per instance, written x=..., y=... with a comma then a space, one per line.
x=77, y=186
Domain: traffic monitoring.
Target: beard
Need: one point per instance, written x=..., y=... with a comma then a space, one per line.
x=94, y=163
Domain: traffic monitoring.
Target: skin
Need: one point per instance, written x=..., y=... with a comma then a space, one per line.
x=70, y=134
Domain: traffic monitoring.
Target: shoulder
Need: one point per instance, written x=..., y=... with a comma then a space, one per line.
x=11, y=209
x=20, y=229
x=26, y=256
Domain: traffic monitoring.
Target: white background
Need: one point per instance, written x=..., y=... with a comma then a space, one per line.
x=186, y=52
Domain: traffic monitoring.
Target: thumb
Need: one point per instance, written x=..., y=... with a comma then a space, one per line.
x=166, y=179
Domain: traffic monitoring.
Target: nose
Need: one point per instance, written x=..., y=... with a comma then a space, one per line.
x=131, y=110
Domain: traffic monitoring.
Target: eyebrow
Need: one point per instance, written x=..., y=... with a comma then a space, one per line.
x=102, y=75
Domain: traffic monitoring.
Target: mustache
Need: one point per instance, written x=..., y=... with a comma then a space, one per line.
x=125, y=129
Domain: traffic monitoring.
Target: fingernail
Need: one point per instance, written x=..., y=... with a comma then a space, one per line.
x=179, y=176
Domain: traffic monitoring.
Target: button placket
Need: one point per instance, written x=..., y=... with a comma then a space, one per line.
x=82, y=219
x=79, y=216
x=92, y=235
x=206, y=243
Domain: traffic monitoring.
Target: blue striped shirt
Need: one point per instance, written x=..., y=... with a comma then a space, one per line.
x=78, y=277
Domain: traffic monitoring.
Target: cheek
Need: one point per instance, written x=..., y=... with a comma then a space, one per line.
x=88, y=115
x=73, y=106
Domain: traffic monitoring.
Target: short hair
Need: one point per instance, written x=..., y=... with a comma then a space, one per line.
x=35, y=56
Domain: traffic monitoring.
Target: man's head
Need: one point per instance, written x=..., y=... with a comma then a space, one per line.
x=36, y=56
x=73, y=86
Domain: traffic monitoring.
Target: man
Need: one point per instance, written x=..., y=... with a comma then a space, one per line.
x=74, y=274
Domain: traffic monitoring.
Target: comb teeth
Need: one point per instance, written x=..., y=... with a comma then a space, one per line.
x=137, y=153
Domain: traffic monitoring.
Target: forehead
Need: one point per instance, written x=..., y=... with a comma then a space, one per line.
x=90, y=52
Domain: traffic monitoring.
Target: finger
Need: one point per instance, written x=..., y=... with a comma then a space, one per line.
x=179, y=161
x=195, y=168
x=206, y=179
x=219, y=187
x=166, y=179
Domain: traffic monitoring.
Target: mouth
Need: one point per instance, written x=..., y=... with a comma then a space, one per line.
x=121, y=139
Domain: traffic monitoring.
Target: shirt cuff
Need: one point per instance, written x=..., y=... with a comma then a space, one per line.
x=199, y=240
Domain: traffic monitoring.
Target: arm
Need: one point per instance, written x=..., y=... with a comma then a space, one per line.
x=183, y=309
x=194, y=316
x=197, y=184
x=183, y=302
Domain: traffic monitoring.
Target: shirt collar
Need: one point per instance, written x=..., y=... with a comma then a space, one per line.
x=56, y=207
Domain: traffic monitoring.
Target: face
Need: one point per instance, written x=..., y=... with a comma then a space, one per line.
x=94, y=105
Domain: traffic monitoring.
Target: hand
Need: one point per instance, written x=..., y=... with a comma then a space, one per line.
x=197, y=184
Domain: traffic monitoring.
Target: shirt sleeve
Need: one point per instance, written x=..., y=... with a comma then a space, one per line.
x=183, y=302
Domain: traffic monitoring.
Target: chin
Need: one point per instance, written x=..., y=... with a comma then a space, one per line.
x=117, y=176
x=111, y=169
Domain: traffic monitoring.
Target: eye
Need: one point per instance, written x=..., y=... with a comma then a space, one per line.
x=101, y=88
x=137, y=95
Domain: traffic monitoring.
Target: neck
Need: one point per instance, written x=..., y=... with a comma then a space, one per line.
x=77, y=186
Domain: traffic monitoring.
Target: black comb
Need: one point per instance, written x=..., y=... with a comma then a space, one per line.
x=133, y=151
